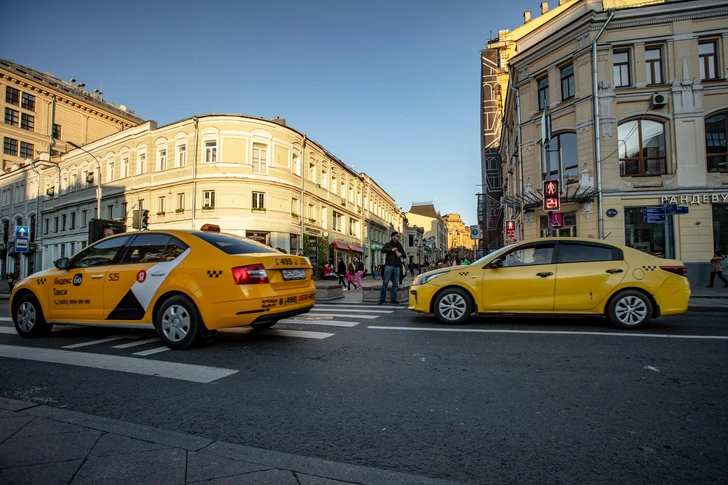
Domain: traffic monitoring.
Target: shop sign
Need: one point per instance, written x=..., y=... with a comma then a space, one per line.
x=695, y=199
x=312, y=231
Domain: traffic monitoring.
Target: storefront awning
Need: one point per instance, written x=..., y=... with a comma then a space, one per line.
x=338, y=245
x=356, y=249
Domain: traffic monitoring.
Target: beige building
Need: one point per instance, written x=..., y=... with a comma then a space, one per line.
x=253, y=177
x=434, y=235
x=40, y=113
x=459, y=241
x=652, y=77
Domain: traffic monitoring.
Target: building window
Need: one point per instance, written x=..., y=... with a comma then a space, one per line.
x=142, y=163
x=28, y=102
x=208, y=199
x=11, y=117
x=74, y=181
x=63, y=222
x=715, y=143
x=46, y=223
x=543, y=93
x=295, y=207
x=55, y=224
x=84, y=218
x=312, y=172
x=56, y=131
x=324, y=179
x=353, y=227
x=562, y=156
x=182, y=155
x=210, y=152
x=124, y=167
x=10, y=147
x=567, y=82
x=259, y=200
x=260, y=154
x=73, y=220
x=12, y=96
x=653, y=64
x=180, y=202
x=162, y=160
x=27, y=122
x=338, y=222
x=160, y=206
x=296, y=164
x=110, y=172
x=642, y=148
x=622, y=69
x=110, y=211
x=707, y=53
x=312, y=212
x=26, y=150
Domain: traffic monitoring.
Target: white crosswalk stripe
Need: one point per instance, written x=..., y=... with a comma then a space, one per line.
x=279, y=332
x=152, y=351
x=102, y=341
x=136, y=344
x=366, y=317
x=326, y=323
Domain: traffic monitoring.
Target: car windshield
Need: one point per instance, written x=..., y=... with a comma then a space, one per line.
x=233, y=244
x=494, y=254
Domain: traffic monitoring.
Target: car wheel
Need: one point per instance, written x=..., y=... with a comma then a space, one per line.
x=630, y=309
x=28, y=318
x=178, y=323
x=452, y=306
x=263, y=324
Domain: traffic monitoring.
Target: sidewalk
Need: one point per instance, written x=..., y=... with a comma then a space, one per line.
x=41, y=445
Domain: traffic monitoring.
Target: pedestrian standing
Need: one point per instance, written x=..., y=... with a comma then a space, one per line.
x=359, y=271
x=341, y=271
x=350, y=273
x=716, y=269
x=392, y=267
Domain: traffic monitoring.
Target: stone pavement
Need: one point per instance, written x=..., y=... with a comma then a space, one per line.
x=42, y=445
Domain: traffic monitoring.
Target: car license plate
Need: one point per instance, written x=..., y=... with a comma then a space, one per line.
x=294, y=274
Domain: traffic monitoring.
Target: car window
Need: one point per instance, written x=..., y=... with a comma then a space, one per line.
x=102, y=253
x=146, y=248
x=580, y=253
x=174, y=248
x=529, y=255
x=232, y=244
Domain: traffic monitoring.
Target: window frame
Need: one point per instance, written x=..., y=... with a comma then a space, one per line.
x=211, y=151
x=651, y=71
x=258, y=202
x=26, y=150
x=721, y=142
x=27, y=122
x=12, y=96
x=12, y=117
x=260, y=157
x=642, y=160
x=704, y=60
x=570, y=82
x=621, y=65
x=27, y=101
x=208, y=199
x=542, y=92
x=8, y=144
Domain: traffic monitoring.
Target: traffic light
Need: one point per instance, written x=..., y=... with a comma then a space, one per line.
x=510, y=230
x=136, y=219
x=145, y=219
x=551, y=199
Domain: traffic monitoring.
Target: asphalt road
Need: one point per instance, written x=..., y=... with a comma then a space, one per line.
x=501, y=400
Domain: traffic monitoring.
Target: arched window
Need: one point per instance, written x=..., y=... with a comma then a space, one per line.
x=715, y=142
x=561, y=155
x=642, y=148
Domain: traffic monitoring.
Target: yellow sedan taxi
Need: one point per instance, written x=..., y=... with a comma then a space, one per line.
x=184, y=284
x=566, y=276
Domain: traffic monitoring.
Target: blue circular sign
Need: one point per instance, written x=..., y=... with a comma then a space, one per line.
x=612, y=212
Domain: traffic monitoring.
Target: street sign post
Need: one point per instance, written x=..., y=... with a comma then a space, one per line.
x=21, y=239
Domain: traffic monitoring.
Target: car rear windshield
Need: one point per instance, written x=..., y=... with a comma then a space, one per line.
x=233, y=244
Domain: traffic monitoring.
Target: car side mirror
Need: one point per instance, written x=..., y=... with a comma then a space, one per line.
x=61, y=263
x=496, y=263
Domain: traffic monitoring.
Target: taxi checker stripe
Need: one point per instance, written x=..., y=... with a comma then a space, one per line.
x=144, y=291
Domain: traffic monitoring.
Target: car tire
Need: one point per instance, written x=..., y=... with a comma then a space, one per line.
x=263, y=325
x=28, y=318
x=178, y=323
x=452, y=306
x=630, y=309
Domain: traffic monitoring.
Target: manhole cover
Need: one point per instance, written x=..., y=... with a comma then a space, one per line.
x=313, y=318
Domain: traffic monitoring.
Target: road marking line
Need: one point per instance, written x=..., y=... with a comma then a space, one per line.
x=134, y=344
x=330, y=323
x=152, y=351
x=367, y=317
x=102, y=341
x=556, y=332
x=330, y=306
x=279, y=333
x=6, y=319
x=347, y=310
x=8, y=330
x=132, y=365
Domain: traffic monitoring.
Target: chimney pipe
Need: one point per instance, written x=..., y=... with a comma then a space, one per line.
x=526, y=16
x=544, y=7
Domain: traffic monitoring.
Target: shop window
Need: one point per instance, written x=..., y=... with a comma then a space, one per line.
x=642, y=148
x=568, y=229
x=720, y=230
x=715, y=143
x=655, y=238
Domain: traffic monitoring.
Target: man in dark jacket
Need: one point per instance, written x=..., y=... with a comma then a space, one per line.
x=393, y=265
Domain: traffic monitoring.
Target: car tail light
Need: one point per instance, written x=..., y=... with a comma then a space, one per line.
x=678, y=270
x=251, y=274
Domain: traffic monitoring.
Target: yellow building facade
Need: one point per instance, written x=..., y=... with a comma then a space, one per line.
x=652, y=77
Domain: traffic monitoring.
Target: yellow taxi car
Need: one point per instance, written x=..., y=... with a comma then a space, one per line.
x=184, y=284
x=570, y=276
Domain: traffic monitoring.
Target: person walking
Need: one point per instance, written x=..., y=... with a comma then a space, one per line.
x=341, y=271
x=359, y=271
x=392, y=267
x=350, y=272
x=716, y=269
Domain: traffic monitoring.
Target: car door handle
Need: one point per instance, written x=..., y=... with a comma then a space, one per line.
x=612, y=271
x=545, y=274
x=96, y=276
x=157, y=274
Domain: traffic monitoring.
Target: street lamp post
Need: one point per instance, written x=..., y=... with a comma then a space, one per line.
x=98, y=184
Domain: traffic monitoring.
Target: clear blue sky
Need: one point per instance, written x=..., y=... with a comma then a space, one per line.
x=391, y=87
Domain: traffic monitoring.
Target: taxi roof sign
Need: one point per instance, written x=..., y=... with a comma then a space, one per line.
x=210, y=228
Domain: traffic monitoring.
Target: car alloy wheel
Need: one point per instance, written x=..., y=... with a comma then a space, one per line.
x=630, y=309
x=29, y=321
x=178, y=323
x=452, y=306
x=26, y=316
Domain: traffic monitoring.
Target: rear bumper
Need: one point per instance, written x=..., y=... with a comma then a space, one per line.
x=673, y=296
x=268, y=318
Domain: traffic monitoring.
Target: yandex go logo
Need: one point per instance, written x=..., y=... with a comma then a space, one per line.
x=551, y=200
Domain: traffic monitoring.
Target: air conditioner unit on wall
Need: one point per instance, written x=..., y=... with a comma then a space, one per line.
x=659, y=100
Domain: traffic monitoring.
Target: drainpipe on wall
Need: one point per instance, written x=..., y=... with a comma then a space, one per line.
x=520, y=151
x=303, y=186
x=194, y=170
x=597, y=139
